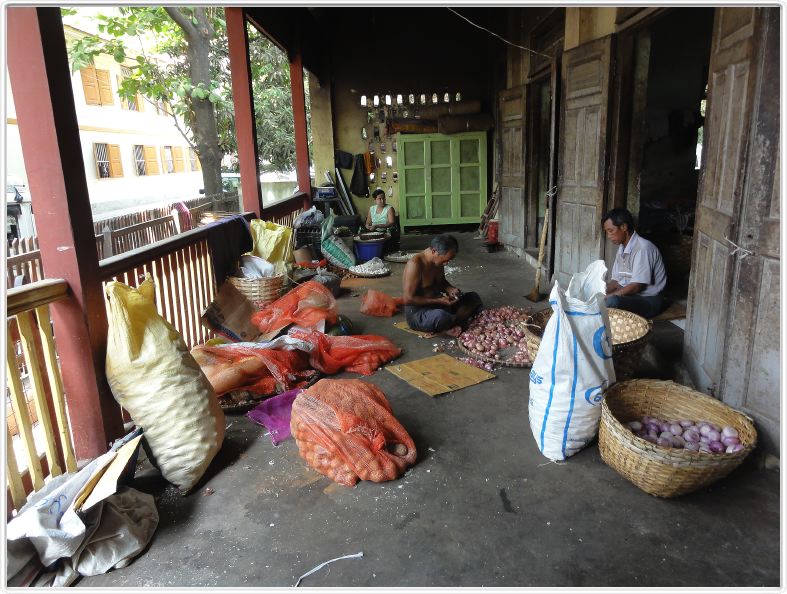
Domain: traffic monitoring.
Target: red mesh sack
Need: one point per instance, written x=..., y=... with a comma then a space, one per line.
x=345, y=430
x=305, y=305
x=362, y=353
x=262, y=371
x=377, y=303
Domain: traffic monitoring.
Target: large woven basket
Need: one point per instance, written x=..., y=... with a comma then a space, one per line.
x=630, y=336
x=260, y=291
x=666, y=472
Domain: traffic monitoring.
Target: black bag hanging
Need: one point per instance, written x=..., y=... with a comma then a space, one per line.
x=358, y=184
x=343, y=159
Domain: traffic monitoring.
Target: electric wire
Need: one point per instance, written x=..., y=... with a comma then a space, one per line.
x=527, y=49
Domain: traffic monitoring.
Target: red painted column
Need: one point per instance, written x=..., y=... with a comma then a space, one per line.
x=301, y=132
x=243, y=100
x=41, y=83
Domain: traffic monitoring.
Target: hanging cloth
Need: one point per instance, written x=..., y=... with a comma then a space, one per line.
x=358, y=185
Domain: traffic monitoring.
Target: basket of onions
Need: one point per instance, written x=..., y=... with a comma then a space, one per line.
x=671, y=440
x=630, y=336
x=497, y=336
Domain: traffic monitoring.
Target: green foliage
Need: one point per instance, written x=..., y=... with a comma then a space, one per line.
x=167, y=80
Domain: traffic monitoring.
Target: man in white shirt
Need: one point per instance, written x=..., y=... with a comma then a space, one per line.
x=638, y=275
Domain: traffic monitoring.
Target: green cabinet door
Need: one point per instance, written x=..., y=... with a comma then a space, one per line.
x=443, y=178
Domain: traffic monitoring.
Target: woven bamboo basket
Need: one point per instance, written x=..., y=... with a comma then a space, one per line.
x=666, y=472
x=630, y=336
x=260, y=291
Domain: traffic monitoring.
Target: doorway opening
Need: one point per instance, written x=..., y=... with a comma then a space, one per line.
x=670, y=82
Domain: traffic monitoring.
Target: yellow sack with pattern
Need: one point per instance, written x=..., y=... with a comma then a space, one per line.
x=271, y=241
x=154, y=377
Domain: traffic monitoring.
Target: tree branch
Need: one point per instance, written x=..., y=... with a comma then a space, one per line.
x=181, y=21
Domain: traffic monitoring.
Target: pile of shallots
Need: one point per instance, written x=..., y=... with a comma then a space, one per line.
x=695, y=436
x=495, y=330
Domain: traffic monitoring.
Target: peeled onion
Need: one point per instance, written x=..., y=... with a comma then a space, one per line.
x=686, y=424
x=728, y=441
x=676, y=429
x=729, y=432
x=691, y=435
x=635, y=425
x=705, y=429
x=731, y=449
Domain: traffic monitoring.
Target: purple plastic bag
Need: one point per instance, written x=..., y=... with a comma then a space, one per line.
x=274, y=414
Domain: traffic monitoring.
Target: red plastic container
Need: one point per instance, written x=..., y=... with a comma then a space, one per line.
x=491, y=233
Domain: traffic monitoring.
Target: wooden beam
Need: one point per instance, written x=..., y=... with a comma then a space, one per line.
x=39, y=72
x=243, y=99
x=301, y=132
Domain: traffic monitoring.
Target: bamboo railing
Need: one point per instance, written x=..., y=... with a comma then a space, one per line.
x=36, y=398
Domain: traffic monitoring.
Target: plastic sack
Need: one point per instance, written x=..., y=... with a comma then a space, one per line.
x=248, y=366
x=573, y=367
x=272, y=242
x=362, y=354
x=345, y=430
x=337, y=252
x=309, y=218
x=330, y=280
x=377, y=303
x=305, y=305
x=153, y=376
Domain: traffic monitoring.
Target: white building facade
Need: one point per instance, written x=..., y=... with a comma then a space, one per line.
x=134, y=154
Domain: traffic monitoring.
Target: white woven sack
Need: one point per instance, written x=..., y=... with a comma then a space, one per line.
x=154, y=377
x=573, y=366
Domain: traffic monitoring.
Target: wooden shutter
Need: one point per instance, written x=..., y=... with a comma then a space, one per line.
x=115, y=165
x=177, y=156
x=582, y=161
x=732, y=87
x=512, y=188
x=140, y=103
x=105, y=87
x=90, y=85
x=151, y=160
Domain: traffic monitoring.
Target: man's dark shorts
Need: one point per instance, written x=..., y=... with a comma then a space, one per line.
x=439, y=319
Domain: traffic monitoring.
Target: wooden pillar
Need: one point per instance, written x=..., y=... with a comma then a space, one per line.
x=243, y=100
x=46, y=115
x=301, y=131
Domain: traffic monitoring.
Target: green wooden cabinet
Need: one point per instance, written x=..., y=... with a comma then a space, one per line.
x=442, y=178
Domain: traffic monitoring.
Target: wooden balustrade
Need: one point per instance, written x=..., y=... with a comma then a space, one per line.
x=37, y=406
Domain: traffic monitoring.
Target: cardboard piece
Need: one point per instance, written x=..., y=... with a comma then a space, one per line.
x=104, y=481
x=229, y=315
x=439, y=374
x=403, y=326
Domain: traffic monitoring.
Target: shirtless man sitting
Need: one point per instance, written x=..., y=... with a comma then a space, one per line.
x=432, y=304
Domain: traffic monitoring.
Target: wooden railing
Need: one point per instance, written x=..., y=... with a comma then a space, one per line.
x=23, y=264
x=182, y=271
x=35, y=393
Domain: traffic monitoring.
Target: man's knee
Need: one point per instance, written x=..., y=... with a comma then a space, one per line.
x=614, y=301
x=442, y=321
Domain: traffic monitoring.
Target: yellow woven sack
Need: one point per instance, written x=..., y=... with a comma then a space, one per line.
x=271, y=241
x=154, y=377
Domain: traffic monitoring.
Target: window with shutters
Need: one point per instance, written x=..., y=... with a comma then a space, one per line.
x=97, y=86
x=193, y=161
x=130, y=104
x=108, y=162
x=139, y=159
x=168, y=159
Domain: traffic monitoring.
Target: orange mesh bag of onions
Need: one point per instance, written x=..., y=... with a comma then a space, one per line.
x=345, y=430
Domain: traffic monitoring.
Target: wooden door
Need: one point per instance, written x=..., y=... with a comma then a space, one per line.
x=582, y=161
x=511, y=211
x=744, y=87
x=731, y=88
x=442, y=178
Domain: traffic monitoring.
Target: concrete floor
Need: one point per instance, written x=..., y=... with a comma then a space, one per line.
x=481, y=507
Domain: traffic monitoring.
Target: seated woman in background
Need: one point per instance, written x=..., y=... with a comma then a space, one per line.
x=382, y=216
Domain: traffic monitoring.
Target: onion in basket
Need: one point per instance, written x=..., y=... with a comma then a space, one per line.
x=692, y=436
